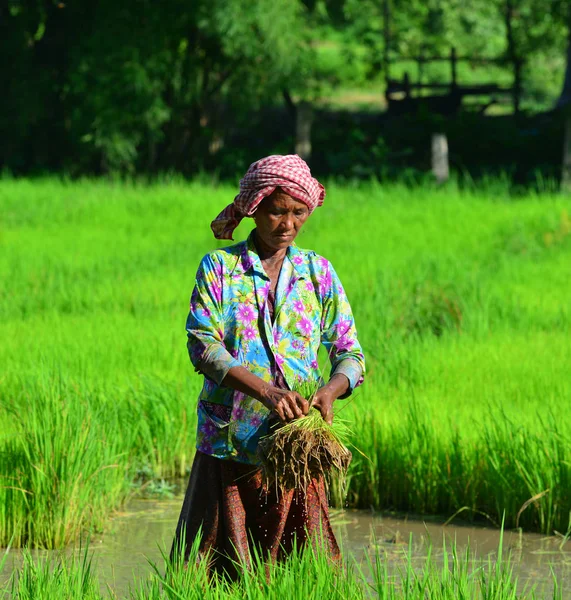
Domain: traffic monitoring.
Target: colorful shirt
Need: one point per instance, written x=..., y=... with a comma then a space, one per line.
x=229, y=325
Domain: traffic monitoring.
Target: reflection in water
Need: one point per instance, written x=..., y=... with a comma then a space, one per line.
x=139, y=534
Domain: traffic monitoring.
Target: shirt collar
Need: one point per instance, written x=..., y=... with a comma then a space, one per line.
x=249, y=256
x=298, y=259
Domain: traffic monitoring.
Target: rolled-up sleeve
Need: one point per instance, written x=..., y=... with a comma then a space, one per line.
x=352, y=370
x=339, y=333
x=205, y=323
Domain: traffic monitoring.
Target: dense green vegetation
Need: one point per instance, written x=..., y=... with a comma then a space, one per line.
x=304, y=575
x=146, y=86
x=461, y=293
x=462, y=303
x=461, y=299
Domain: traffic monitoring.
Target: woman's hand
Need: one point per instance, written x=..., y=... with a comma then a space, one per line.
x=286, y=404
x=325, y=397
x=323, y=401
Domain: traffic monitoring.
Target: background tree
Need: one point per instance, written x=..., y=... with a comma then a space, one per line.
x=144, y=86
x=138, y=83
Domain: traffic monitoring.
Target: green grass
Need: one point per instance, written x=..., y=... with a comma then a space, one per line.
x=304, y=575
x=462, y=305
x=53, y=578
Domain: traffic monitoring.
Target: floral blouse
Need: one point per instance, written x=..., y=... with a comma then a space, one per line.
x=229, y=325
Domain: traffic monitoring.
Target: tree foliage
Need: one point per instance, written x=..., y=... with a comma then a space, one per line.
x=120, y=85
x=146, y=85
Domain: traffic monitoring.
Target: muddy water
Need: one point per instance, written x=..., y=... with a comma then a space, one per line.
x=137, y=535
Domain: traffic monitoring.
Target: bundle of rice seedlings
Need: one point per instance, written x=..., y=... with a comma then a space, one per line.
x=304, y=449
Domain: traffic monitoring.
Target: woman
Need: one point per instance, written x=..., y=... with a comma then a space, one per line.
x=258, y=313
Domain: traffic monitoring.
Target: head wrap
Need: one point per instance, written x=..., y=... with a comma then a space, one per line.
x=289, y=172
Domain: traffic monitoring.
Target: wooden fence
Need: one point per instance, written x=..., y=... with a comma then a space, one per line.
x=405, y=96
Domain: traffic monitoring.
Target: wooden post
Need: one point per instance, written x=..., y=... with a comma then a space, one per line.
x=303, y=122
x=566, y=170
x=440, y=167
x=421, y=61
x=406, y=85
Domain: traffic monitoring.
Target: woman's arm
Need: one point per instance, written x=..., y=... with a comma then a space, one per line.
x=205, y=329
x=205, y=323
x=287, y=404
x=323, y=400
x=339, y=336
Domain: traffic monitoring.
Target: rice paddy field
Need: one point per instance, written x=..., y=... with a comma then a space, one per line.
x=307, y=574
x=463, y=305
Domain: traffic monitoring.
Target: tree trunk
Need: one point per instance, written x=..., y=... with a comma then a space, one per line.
x=566, y=166
x=304, y=121
x=513, y=54
x=564, y=103
x=565, y=97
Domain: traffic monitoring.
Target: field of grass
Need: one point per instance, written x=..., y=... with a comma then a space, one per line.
x=462, y=300
x=304, y=575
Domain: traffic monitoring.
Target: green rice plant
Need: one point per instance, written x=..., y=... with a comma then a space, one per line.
x=162, y=417
x=305, y=449
x=306, y=574
x=505, y=469
x=179, y=578
x=62, y=469
x=461, y=298
x=429, y=309
x=57, y=577
x=528, y=474
x=459, y=576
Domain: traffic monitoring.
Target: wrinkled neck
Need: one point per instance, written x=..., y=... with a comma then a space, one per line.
x=267, y=254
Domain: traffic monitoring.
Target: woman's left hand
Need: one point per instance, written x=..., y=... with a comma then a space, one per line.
x=326, y=396
x=323, y=401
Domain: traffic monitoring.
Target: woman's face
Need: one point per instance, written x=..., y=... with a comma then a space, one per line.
x=279, y=218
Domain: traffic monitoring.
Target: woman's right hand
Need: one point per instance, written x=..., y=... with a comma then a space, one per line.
x=286, y=404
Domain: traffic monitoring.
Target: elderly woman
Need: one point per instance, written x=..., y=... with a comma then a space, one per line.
x=259, y=311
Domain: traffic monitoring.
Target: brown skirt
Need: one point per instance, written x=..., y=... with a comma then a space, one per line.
x=228, y=501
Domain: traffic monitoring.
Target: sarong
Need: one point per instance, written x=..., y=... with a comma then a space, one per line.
x=228, y=504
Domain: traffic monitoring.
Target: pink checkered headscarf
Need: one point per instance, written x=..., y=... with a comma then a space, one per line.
x=289, y=172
